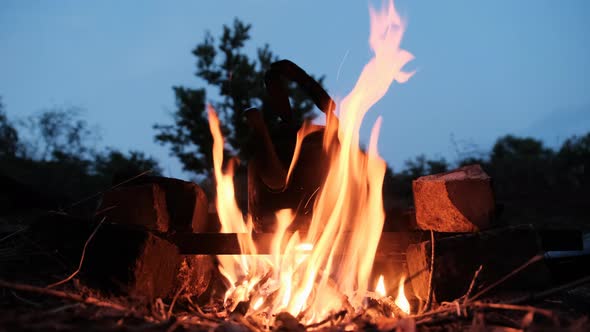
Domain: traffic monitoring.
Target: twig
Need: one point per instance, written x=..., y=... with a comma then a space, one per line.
x=12, y=234
x=158, y=310
x=431, y=273
x=176, y=325
x=505, y=306
x=81, y=258
x=62, y=308
x=199, y=313
x=63, y=295
x=111, y=188
x=508, y=276
x=475, y=275
x=454, y=307
x=549, y=292
x=440, y=310
x=22, y=299
x=174, y=300
x=99, y=212
x=196, y=321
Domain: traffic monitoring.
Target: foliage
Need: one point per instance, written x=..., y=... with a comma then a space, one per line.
x=123, y=166
x=399, y=185
x=8, y=136
x=237, y=80
x=420, y=166
x=56, y=155
x=574, y=160
x=58, y=133
x=520, y=167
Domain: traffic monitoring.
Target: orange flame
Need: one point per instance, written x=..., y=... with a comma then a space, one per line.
x=380, y=289
x=401, y=301
x=310, y=277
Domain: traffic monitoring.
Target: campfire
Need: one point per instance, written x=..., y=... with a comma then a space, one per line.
x=315, y=275
x=310, y=252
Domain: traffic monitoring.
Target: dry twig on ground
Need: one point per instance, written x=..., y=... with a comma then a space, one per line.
x=65, y=295
x=71, y=276
x=528, y=263
x=111, y=188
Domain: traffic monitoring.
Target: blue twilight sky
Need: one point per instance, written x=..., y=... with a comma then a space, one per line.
x=485, y=68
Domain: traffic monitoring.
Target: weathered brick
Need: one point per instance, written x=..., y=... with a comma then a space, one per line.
x=456, y=259
x=123, y=260
x=158, y=203
x=187, y=205
x=141, y=205
x=195, y=273
x=458, y=201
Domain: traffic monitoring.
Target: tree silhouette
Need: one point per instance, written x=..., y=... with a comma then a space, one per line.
x=121, y=166
x=521, y=166
x=237, y=82
x=574, y=161
x=53, y=152
x=8, y=136
x=58, y=133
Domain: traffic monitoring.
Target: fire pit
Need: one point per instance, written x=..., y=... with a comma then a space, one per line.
x=310, y=253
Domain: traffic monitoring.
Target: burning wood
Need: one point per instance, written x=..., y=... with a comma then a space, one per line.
x=313, y=283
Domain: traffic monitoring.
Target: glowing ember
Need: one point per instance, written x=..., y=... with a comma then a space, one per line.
x=315, y=276
x=401, y=301
x=380, y=289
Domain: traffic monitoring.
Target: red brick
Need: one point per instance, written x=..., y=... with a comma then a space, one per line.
x=134, y=262
x=458, y=201
x=140, y=205
x=456, y=259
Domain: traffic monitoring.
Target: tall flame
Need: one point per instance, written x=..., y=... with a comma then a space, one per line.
x=311, y=277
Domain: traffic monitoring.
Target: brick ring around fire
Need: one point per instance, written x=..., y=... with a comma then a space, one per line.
x=156, y=239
